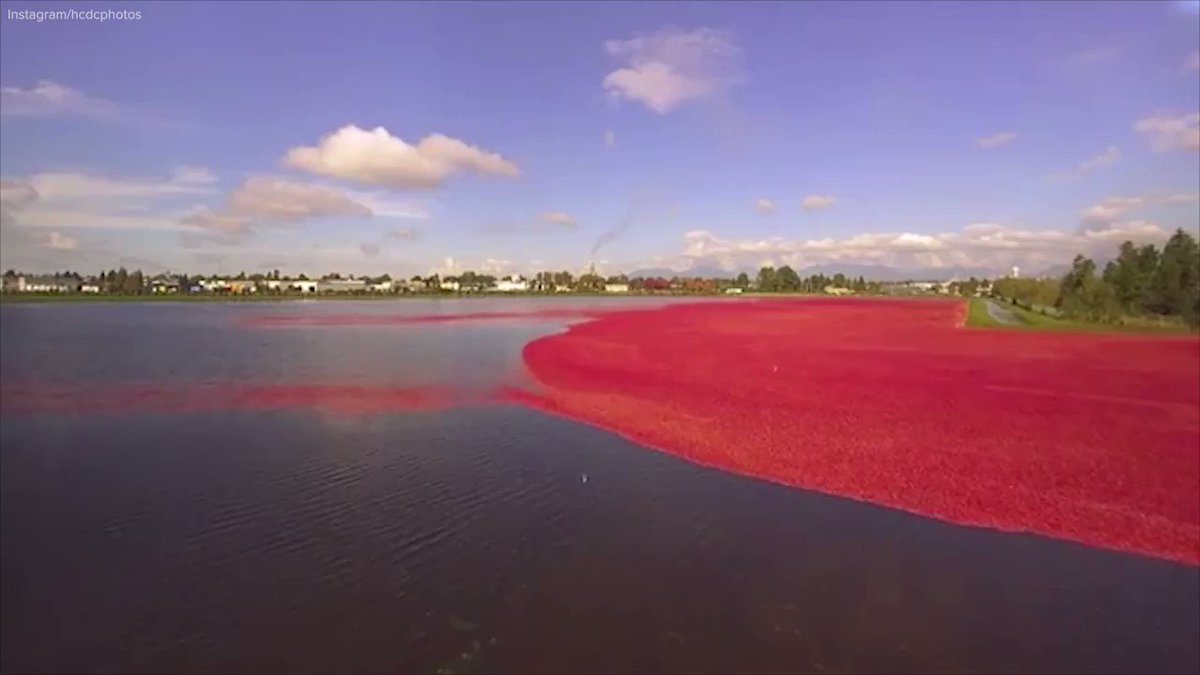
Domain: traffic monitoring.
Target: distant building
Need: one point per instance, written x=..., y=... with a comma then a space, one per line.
x=89, y=288
x=273, y=284
x=733, y=291
x=44, y=284
x=164, y=284
x=513, y=284
x=616, y=288
x=341, y=285
x=1016, y=272
x=382, y=287
x=837, y=290
x=242, y=286
x=450, y=285
x=302, y=285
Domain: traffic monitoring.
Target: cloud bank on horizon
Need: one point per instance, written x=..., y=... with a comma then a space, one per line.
x=848, y=150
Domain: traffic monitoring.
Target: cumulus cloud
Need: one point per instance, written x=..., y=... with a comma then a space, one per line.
x=764, y=206
x=1171, y=132
x=404, y=233
x=379, y=158
x=996, y=140
x=386, y=205
x=267, y=200
x=610, y=138
x=558, y=218
x=1107, y=157
x=817, y=202
x=57, y=241
x=46, y=97
x=449, y=267
x=496, y=266
x=72, y=200
x=1115, y=208
x=280, y=200
x=981, y=245
x=667, y=69
x=1110, y=209
x=15, y=195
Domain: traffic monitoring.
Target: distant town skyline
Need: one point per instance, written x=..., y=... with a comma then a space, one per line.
x=931, y=139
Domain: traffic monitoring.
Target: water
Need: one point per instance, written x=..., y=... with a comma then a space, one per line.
x=466, y=540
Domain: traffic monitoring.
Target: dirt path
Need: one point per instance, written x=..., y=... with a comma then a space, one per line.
x=1001, y=314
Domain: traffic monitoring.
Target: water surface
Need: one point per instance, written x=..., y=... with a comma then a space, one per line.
x=481, y=538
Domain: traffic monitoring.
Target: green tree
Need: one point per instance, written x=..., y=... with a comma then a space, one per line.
x=742, y=281
x=766, y=281
x=1083, y=295
x=1176, y=283
x=787, y=280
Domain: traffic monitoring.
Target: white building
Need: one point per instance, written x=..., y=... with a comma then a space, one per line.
x=89, y=288
x=616, y=288
x=303, y=285
x=381, y=287
x=733, y=291
x=45, y=284
x=513, y=284
x=450, y=285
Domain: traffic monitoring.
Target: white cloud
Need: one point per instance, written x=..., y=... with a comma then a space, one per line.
x=558, y=218
x=1168, y=132
x=1115, y=208
x=981, y=245
x=610, y=138
x=495, y=266
x=1108, y=156
x=80, y=187
x=77, y=200
x=667, y=69
x=15, y=195
x=264, y=198
x=386, y=205
x=47, y=98
x=50, y=98
x=449, y=267
x=267, y=200
x=57, y=241
x=1110, y=209
x=379, y=158
x=764, y=206
x=817, y=202
x=194, y=175
x=996, y=140
x=405, y=233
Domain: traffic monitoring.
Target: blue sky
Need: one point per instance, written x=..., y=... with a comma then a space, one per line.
x=227, y=136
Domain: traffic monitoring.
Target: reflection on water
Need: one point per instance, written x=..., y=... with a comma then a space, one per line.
x=466, y=540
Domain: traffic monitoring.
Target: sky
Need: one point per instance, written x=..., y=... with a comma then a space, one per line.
x=514, y=137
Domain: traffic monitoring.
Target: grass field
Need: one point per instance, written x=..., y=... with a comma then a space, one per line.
x=978, y=317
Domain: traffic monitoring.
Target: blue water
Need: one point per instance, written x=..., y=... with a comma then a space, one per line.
x=468, y=540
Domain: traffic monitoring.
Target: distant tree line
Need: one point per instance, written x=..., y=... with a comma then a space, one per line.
x=786, y=280
x=1142, y=281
